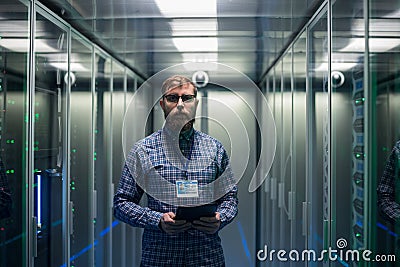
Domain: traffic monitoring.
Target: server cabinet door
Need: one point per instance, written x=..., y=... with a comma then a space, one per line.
x=81, y=159
x=14, y=46
x=49, y=119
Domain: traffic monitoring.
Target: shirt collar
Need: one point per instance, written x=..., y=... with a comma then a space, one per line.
x=187, y=135
x=184, y=135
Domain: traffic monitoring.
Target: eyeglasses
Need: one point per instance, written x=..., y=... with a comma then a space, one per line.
x=175, y=98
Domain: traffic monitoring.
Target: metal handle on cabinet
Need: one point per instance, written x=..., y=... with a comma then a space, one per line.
x=111, y=195
x=291, y=206
x=273, y=188
x=305, y=219
x=267, y=184
x=71, y=217
x=281, y=195
x=34, y=235
x=94, y=204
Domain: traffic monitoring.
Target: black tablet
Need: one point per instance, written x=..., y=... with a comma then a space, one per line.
x=194, y=213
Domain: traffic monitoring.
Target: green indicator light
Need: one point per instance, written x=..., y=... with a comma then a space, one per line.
x=73, y=188
x=96, y=131
x=74, y=150
x=36, y=148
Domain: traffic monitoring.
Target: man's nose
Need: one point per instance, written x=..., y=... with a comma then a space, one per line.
x=179, y=106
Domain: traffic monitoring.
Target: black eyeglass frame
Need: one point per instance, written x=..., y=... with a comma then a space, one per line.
x=185, y=98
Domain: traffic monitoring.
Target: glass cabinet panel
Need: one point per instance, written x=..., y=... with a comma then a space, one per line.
x=118, y=110
x=284, y=185
x=276, y=166
x=102, y=159
x=384, y=56
x=133, y=234
x=81, y=154
x=347, y=127
x=14, y=48
x=318, y=136
x=299, y=224
x=51, y=65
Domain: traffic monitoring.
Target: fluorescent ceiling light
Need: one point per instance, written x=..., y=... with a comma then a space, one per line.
x=393, y=15
x=203, y=32
x=376, y=45
x=196, y=44
x=339, y=66
x=200, y=57
x=22, y=45
x=187, y=8
x=194, y=27
x=75, y=67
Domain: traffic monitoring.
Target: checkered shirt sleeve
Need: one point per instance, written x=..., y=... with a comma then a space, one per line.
x=386, y=190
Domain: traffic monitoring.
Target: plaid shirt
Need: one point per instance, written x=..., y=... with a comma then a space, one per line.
x=192, y=247
x=5, y=195
x=388, y=202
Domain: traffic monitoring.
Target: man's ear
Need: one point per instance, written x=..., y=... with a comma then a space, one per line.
x=162, y=103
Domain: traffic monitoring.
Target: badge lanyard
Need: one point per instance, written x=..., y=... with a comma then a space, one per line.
x=186, y=167
x=187, y=188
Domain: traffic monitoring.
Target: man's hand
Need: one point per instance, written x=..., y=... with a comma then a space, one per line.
x=171, y=226
x=208, y=225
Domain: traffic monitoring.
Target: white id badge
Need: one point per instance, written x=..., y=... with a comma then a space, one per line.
x=187, y=188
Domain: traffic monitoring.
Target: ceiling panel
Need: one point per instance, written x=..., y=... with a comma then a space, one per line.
x=149, y=35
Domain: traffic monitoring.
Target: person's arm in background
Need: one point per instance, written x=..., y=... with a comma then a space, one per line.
x=5, y=195
x=128, y=195
x=386, y=189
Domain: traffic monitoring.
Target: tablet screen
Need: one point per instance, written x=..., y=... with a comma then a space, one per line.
x=194, y=213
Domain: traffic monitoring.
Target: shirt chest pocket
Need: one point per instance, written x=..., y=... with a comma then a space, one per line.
x=167, y=171
x=205, y=174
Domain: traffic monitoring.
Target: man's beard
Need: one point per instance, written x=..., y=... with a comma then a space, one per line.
x=179, y=121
